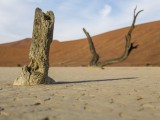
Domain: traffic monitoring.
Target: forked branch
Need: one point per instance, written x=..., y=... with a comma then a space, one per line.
x=128, y=47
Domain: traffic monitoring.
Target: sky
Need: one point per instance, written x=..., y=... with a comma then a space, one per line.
x=97, y=16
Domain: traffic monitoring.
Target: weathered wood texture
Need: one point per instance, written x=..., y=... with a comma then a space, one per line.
x=36, y=72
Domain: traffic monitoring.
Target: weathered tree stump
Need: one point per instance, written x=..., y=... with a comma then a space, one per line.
x=36, y=72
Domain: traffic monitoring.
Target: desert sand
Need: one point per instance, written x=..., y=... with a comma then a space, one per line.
x=83, y=93
x=109, y=45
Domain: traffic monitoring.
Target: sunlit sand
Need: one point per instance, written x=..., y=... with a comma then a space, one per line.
x=86, y=93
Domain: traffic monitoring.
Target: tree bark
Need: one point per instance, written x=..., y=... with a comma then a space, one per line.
x=95, y=56
x=36, y=72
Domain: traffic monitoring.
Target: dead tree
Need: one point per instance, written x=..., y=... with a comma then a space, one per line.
x=128, y=47
x=95, y=56
x=36, y=72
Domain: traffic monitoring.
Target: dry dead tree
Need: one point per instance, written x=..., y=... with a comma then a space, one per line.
x=36, y=72
x=128, y=47
x=95, y=56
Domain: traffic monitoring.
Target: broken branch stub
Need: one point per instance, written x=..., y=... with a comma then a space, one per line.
x=36, y=72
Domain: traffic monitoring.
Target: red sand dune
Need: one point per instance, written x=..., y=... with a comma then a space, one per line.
x=109, y=45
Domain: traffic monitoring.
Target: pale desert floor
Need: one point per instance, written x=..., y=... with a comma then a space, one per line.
x=83, y=93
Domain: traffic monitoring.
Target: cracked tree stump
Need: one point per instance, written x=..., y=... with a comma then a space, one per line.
x=36, y=72
x=130, y=46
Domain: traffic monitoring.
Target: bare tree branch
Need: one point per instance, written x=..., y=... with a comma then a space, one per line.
x=95, y=56
x=129, y=45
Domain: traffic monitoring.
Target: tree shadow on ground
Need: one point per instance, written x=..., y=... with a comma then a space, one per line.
x=92, y=81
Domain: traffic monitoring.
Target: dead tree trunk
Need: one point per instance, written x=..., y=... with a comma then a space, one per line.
x=95, y=56
x=37, y=70
x=128, y=47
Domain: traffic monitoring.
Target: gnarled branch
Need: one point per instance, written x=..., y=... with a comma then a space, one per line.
x=128, y=47
x=95, y=56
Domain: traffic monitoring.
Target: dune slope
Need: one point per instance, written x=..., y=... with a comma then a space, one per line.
x=109, y=45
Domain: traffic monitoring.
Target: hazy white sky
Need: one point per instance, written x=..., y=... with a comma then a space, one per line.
x=97, y=16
